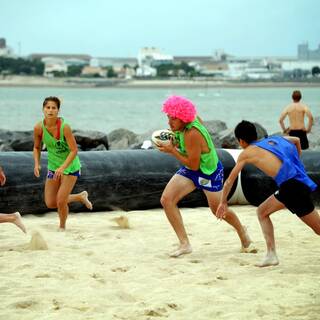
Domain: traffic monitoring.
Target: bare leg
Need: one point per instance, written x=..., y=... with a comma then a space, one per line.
x=14, y=218
x=313, y=221
x=51, y=191
x=231, y=218
x=264, y=210
x=66, y=186
x=57, y=195
x=80, y=197
x=175, y=190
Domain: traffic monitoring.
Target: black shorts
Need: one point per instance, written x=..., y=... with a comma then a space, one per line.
x=296, y=197
x=302, y=135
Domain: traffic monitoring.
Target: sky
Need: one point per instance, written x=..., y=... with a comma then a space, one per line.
x=119, y=28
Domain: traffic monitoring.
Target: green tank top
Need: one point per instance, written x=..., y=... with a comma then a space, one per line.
x=208, y=161
x=58, y=150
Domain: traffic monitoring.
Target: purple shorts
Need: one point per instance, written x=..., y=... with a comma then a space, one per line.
x=212, y=182
x=51, y=174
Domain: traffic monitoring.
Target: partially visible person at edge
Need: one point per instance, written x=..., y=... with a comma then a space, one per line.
x=200, y=169
x=63, y=162
x=277, y=157
x=15, y=217
x=296, y=112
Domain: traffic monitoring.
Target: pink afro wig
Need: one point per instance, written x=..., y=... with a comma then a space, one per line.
x=180, y=107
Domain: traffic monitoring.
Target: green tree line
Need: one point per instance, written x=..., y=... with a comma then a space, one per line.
x=20, y=66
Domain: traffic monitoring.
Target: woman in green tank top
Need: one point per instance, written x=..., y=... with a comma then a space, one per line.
x=200, y=169
x=63, y=161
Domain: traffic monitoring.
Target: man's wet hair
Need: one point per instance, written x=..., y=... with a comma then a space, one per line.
x=296, y=95
x=52, y=98
x=246, y=131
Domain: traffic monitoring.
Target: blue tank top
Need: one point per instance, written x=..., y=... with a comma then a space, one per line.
x=292, y=167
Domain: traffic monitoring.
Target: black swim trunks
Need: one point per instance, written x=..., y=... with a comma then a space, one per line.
x=296, y=197
x=302, y=134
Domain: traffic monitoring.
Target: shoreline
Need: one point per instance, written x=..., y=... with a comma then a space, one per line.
x=31, y=81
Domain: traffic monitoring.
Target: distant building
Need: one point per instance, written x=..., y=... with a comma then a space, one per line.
x=153, y=57
x=93, y=71
x=288, y=66
x=53, y=65
x=304, y=53
x=146, y=71
x=118, y=64
x=3, y=43
x=5, y=51
x=85, y=58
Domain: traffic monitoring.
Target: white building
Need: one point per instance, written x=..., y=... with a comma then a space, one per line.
x=151, y=56
x=52, y=65
x=146, y=71
x=302, y=65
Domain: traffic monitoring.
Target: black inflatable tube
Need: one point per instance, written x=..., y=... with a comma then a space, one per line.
x=126, y=180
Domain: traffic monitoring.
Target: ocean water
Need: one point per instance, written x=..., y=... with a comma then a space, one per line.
x=139, y=110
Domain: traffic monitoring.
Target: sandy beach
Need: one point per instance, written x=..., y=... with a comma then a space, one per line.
x=98, y=270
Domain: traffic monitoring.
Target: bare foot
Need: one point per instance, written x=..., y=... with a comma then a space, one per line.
x=245, y=241
x=183, y=249
x=250, y=249
x=85, y=200
x=270, y=259
x=18, y=222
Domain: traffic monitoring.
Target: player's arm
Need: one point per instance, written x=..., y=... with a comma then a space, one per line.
x=310, y=119
x=283, y=115
x=2, y=177
x=296, y=142
x=37, y=138
x=191, y=159
x=223, y=205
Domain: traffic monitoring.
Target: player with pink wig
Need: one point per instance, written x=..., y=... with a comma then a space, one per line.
x=200, y=169
x=181, y=108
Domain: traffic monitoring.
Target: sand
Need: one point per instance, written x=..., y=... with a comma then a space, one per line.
x=100, y=269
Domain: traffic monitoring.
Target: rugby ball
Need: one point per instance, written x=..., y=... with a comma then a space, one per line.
x=162, y=137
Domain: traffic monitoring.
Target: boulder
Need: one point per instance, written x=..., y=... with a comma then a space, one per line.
x=122, y=139
x=89, y=140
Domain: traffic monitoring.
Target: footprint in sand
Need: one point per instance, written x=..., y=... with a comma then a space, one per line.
x=25, y=304
x=195, y=261
x=219, y=277
x=120, y=269
x=157, y=312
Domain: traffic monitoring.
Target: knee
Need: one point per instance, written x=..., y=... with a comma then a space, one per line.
x=61, y=202
x=51, y=204
x=260, y=213
x=165, y=200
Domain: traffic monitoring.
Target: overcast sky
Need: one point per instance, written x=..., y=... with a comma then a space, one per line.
x=119, y=28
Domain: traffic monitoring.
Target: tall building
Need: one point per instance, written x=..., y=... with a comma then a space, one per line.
x=2, y=43
x=304, y=53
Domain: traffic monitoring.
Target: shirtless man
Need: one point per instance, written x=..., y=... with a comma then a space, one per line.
x=296, y=113
x=15, y=217
x=201, y=169
x=278, y=157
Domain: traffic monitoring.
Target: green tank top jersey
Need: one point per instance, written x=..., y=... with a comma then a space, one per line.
x=58, y=150
x=208, y=161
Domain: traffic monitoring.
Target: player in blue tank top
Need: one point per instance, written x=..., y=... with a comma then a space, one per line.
x=278, y=157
